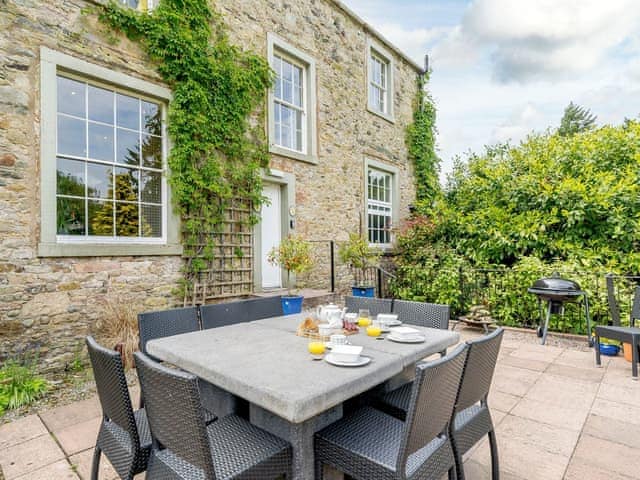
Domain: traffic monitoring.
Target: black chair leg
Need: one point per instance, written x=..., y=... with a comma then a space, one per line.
x=459, y=467
x=319, y=470
x=495, y=466
x=597, y=349
x=634, y=358
x=452, y=473
x=96, y=463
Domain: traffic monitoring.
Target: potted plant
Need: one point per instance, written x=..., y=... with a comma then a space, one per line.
x=294, y=255
x=360, y=255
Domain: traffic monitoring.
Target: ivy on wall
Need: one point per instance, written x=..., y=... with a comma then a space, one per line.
x=420, y=140
x=217, y=151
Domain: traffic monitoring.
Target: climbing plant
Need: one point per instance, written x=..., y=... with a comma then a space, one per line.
x=217, y=89
x=420, y=140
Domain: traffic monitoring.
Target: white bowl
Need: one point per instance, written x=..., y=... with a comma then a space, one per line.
x=346, y=353
x=387, y=317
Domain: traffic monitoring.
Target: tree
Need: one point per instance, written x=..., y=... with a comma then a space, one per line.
x=576, y=119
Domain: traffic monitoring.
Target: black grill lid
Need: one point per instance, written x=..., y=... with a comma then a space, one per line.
x=556, y=283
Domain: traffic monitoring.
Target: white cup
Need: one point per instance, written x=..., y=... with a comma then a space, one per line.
x=324, y=329
x=338, y=339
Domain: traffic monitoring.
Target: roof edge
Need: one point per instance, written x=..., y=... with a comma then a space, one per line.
x=377, y=34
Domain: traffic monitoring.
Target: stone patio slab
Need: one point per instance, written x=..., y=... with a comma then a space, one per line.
x=618, y=459
x=563, y=391
x=62, y=417
x=60, y=470
x=616, y=410
x=629, y=394
x=578, y=470
x=80, y=436
x=82, y=463
x=29, y=456
x=617, y=431
x=586, y=374
x=513, y=380
x=502, y=401
x=566, y=416
x=529, y=364
x=20, y=431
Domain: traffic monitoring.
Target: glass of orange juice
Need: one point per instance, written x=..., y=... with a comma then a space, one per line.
x=374, y=330
x=363, y=317
x=316, y=347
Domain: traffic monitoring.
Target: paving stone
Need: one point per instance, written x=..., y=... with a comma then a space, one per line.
x=60, y=470
x=579, y=470
x=542, y=353
x=62, y=417
x=502, y=401
x=616, y=410
x=617, y=431
x=566, y=416
x=618, y=459
x=623, y=394
x=82, y=463
x=619, y=376
x=21, y=430
x=574, y=358
x=79, y=437
x=529, y=364
x=475, y=470
x=513, y=380
x=563, y=391
x=29, y=456
x=528, y=450
x=592, y=374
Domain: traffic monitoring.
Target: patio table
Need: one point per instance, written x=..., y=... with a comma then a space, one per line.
x=290, y=395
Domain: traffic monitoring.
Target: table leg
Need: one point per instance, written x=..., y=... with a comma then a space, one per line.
x=300, y=435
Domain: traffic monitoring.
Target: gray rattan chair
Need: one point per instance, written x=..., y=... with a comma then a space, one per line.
x=374, y=305
x=184, y=447
x=422, y=314
x=124, y=435
x=230, y=313
x=166, y=323
x=370, y=444
x=267, y=307
x=630, y=334
x=472, y=418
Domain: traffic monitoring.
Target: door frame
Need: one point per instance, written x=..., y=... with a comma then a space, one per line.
x=287, y=183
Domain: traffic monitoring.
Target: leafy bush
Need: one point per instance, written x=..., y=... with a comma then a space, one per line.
x=19, y=385
x=573, y=198
x=359, y=255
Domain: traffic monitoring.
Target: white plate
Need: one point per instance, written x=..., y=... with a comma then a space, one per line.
x=363, y=361
x=394, y=323
x=417, y=339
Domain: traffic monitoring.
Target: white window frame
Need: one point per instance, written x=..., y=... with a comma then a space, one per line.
x=143, y=5
x=52, y=64
x=277, y=46
x=377, y=51
x=371, y=164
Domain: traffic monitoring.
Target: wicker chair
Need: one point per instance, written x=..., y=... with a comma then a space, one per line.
x=166, y=323
x=422, y=314
x=374, y=305
x=370, y=444
x=472, y=418
x=184, y=447
x=230, y=313
x=124, y=435
x=630, y=334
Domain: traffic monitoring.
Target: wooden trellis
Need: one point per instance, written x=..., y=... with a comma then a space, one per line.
x=230, y=272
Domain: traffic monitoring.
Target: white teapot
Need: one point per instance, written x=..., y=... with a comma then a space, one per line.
x=331, y=314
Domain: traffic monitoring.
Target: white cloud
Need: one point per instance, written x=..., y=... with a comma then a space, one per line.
x=414, y=42
x=518, y=125
x=541, y=39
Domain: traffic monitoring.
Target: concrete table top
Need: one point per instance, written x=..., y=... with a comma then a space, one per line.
x=265, y=363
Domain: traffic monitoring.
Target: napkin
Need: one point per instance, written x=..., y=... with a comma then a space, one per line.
x=405, y=332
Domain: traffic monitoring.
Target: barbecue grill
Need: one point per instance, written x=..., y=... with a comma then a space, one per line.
x=557, y=291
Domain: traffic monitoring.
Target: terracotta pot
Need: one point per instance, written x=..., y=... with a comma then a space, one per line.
x=626, y=347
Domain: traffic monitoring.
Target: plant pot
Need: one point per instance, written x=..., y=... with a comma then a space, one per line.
x=363, y=291
x=291, y=305
x=626, y=348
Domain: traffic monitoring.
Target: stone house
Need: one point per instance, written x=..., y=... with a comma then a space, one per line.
x=79, y=113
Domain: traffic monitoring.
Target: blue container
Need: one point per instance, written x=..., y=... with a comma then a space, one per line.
x=610, y=350
x=363, y=291
x=291, y=305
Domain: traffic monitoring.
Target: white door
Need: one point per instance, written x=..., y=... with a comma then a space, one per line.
x=271, y=233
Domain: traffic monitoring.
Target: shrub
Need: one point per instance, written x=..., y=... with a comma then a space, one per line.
x=359, y=255
x=293, y=254
x=19, y=385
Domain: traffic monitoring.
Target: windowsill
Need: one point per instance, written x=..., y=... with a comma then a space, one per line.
x=385, y=116
x=285, y=152
x=106, y=249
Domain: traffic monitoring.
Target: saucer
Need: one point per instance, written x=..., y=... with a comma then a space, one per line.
x=360, y=363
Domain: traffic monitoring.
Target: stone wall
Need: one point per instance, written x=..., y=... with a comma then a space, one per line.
x=49, y=304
